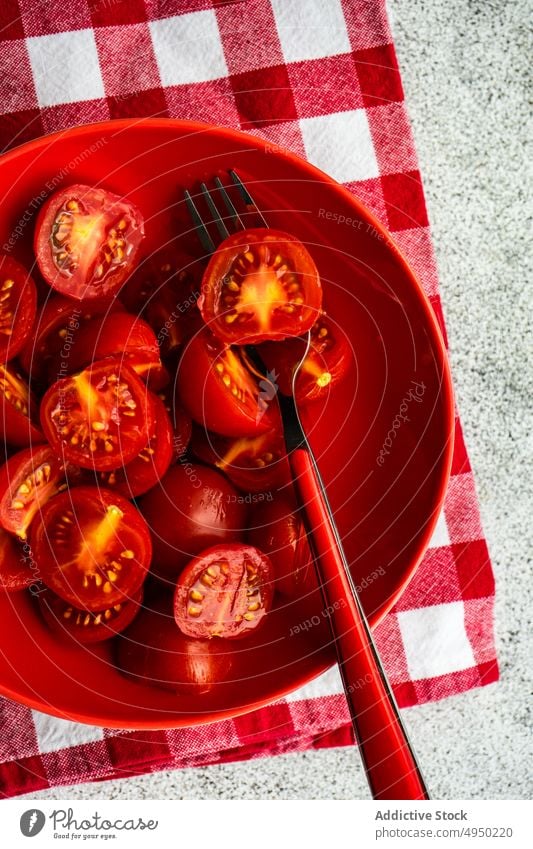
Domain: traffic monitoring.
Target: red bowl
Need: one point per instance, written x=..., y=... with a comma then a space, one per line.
x=385, y=511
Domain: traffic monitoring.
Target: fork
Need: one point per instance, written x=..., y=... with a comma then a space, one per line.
x=390, y=764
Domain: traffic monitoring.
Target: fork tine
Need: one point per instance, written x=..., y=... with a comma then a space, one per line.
x=246, y=196
x=228, y=203
x=203, y=234
x=217, y=218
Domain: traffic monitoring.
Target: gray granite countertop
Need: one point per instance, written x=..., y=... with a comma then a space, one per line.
x=464, y=70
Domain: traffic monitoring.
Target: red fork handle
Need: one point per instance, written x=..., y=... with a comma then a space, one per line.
x=389, y=761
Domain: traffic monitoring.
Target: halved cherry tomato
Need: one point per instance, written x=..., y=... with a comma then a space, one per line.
x=225, y=591
x=217, y=389
x=27, y=481
x=277, y=529
x=86, y=241
x=180, y=421
x=92, y=547
x=15, y=574
x=18, y=303
x=87, y=626
x=150, y=465
x=55, y=334
x=100, y=418
x=123, y=336
x=326, y=363
x=260, y=284
x=153, y=651
x=18, y=409
x=192, y=508
x=254, y=464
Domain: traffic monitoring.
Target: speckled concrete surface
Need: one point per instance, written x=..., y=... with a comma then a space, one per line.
x=464, y=68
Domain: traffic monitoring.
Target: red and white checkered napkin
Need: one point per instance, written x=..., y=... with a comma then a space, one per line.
x=321, y=79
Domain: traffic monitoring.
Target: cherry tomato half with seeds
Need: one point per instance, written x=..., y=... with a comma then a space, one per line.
x=226, y=591
x=15, y=573
x=191, y=508
x=92, y=547
x=87, y=626
x=218, y=389
x=100, y=418
x=277, y=529
x=27, y=481
x=55, y=333
x=254, y=464
x=150, y=465
x=18, y=304
x=260, y=284
x=153, y=651
x=86, y=241
x=18, y=413
x=325, y=365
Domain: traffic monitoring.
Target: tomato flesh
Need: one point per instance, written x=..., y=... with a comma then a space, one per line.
x=18, y=409
x=277, y=529
x=18, y=303
x=86, y=240
x=254, y=464
x=92, y=547
x=181, y=424
x=100, y=418
x=87, y=626
x=218, y=389
x=27, y=481
x=192, y=508
x=225, y=591
x=15, y=574
x=326, y=364
x=152, y=462
x=153, y=651
x=260, y=284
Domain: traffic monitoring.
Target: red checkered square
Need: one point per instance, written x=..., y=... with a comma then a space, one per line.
x=110, y=13
x=405, y=694
x=417, y=248
x=87, y=762
x=249, y=37
x=264, y=97
x=479, y=615
x=17, y=91
x=25, y=775
x=366, y=23
x=131, y=750
x=259, y=726
x=474, y=571
x=212, y=101
x=11, y=21
x=157, y=9
x=19, y=127
x=433, y=689
x=318, y=713
x=436, y=581
x=462, y=515
x=393, y=140
x=370, y=193
x=287, y=135
x=460, y=461
x=184, y=741
x=404, y=198
x=71, y=114
x=338, y=89
x=45, y=18
x=379, y=76
x=21, y=742
x=126, y=66
x=140, y=104
x=389, y=639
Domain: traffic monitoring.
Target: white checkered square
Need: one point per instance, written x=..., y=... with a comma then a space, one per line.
x=65, y=67
x=435, y=640
x=188, y=48
x=341, y=145
x=440, y=535
x=53, y=733
x=310, y=29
